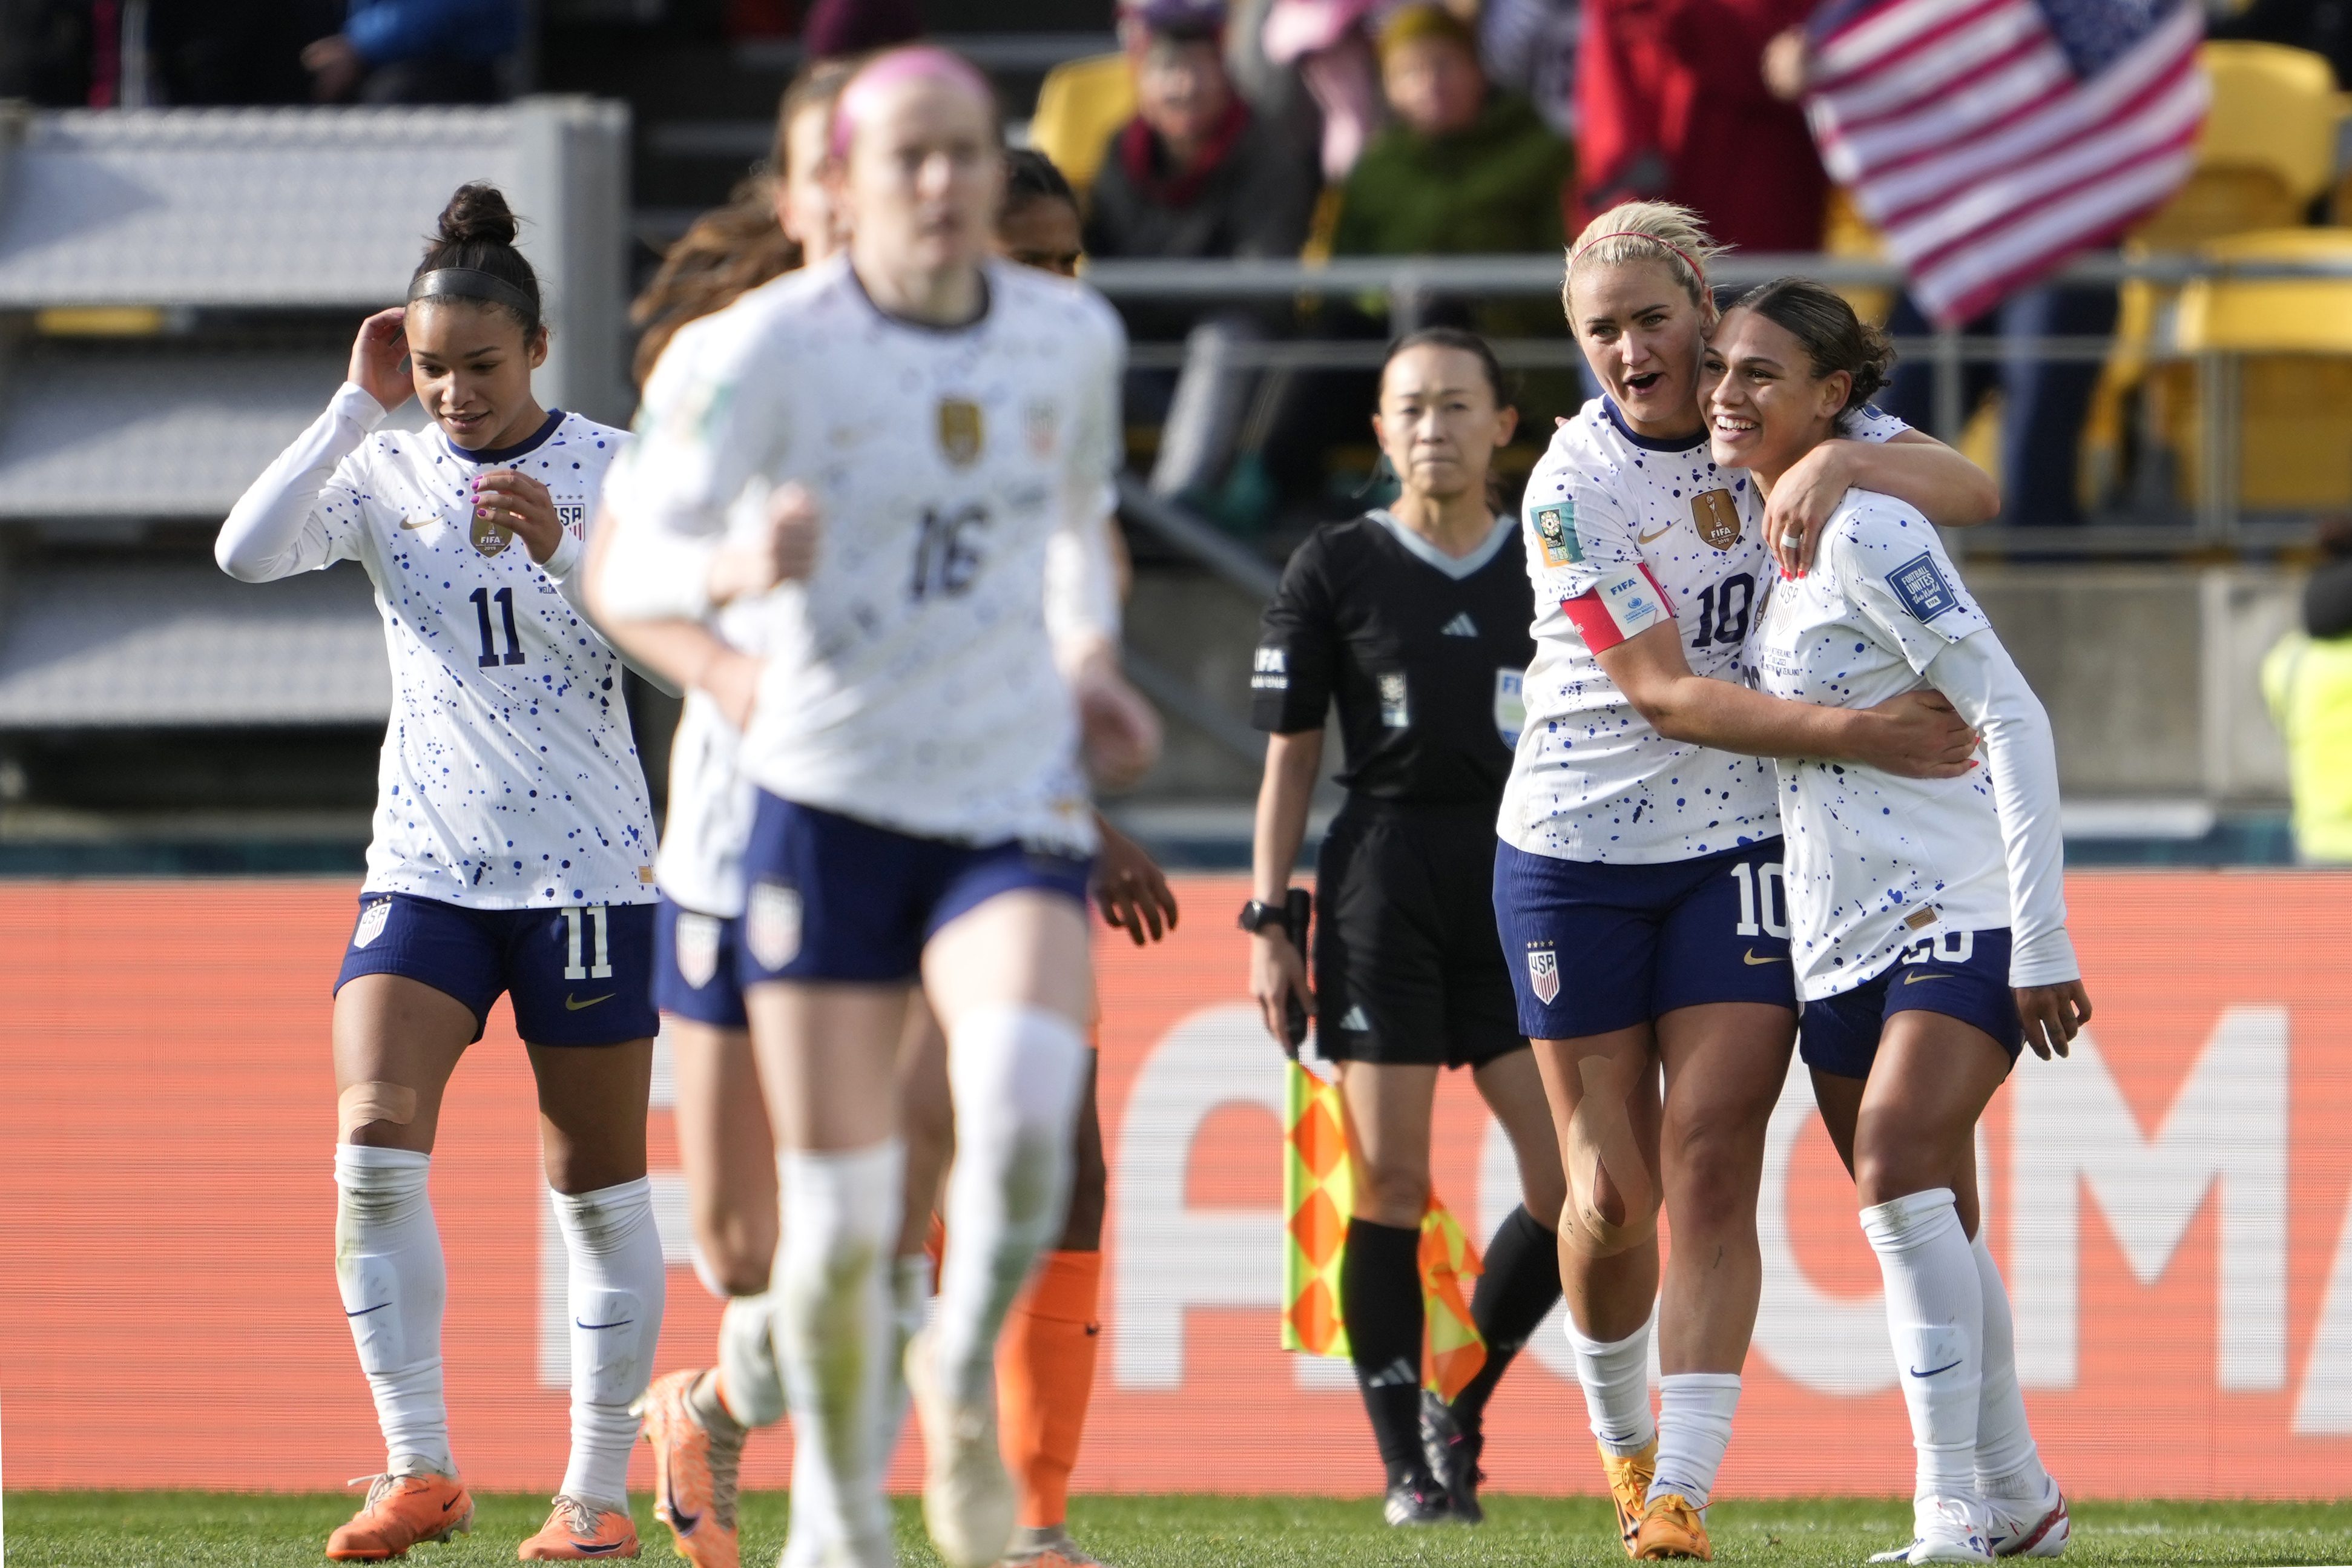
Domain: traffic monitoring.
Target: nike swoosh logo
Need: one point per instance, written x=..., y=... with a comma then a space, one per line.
x=573, y=1004
x=363, y=1311
x=594, y=1549
x=447, y=1506
x=618, y=1323
x=418, y=522
x=1914, y=979
x=1646, y=538
x=679, y=1520
x=1932, y=1371
x=1093, y=1328
x=1750, y=956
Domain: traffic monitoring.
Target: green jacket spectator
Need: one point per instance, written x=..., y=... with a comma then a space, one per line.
x=1491, y=187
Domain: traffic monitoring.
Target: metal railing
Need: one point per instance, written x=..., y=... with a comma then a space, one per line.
x=1410, y=284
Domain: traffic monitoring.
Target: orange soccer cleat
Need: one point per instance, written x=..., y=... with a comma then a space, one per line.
x=694, y=1477
x=577, y=1530
x=400, y=1511
x=1629, y=1487
x=1671, y=1527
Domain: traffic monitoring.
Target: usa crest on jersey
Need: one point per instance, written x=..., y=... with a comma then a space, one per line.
x=771, y=924
x=697, y=947
x=1543, y=975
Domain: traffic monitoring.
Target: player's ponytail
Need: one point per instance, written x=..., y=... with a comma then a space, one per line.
x=472, y=256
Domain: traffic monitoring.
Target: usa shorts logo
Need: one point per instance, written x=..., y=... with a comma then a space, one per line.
x=697, y=948
x=371, y=920
x=1543, y=975
x=772, y=925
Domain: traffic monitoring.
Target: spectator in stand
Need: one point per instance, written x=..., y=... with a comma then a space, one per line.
x=838, y=29
x=1672, y=103
x=1530, y=47
x=416, y=51
x=1195, y=173
x=1328, y=44
x=2307, y=679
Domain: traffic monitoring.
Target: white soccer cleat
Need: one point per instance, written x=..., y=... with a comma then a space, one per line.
x=969, y=1504
x=1948, y=1530
x=2030, y=1527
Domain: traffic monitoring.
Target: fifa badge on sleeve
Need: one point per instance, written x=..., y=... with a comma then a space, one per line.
x=1556, y=535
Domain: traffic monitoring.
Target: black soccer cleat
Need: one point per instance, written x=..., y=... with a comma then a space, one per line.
x=1415, y=1501
x=1452, y=1455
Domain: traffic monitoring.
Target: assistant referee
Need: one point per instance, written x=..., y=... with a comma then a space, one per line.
x=1414, y=620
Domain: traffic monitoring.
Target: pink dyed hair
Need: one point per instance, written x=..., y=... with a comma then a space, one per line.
x=917, y=62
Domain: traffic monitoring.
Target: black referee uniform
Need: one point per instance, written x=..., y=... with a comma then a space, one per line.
x=1424, y=653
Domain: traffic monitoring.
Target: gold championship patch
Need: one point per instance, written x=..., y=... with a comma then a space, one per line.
x=960, y=431
x=1716, y=517
x=489, y=537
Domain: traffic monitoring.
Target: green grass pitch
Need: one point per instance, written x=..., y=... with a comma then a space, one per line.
x=134, y=1530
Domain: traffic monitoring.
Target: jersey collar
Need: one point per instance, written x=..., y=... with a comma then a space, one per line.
x=1456, y=567
x=1649, y=443
x=937, y=329
x=489, y=455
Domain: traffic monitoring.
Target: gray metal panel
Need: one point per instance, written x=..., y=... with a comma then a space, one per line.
x=179, y=644
x=243, y=206
x=154, y=434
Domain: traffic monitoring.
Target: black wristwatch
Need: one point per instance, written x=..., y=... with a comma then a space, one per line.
x=1257, y=916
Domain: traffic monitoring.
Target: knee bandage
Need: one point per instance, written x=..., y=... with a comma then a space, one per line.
x=1602, y=1142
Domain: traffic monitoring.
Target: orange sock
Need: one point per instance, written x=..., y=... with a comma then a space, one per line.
x=1044, y=1379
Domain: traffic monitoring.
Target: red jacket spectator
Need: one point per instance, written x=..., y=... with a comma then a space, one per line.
x=1671, y=102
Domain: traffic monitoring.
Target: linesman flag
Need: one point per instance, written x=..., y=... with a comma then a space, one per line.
x=1317, y=1193
x=1990, y=139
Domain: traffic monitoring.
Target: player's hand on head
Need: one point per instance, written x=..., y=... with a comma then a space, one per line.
x=1800, y=506
x=1918, y=735
x=1132, y=889
x=518, y=501
x=2053, y=1015
x=1278, y=972
x=1119, y=732
x=376, y=356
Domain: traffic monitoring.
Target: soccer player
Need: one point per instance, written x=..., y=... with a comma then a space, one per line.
x=1412, y=619
x=1927, y=917
x=1637, y=884
x=921, y=816
x=512, y=854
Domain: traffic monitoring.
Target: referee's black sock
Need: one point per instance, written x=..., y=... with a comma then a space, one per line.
x=1513, y=1297
x=1380, y=1297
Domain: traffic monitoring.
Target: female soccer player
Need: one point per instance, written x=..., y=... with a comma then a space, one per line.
x=1927, y=917
x=922, y=815
x=1637, y=884
x=1414, y=620
x=512, y=854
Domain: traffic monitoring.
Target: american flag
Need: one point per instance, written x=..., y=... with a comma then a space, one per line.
x=1989, y=140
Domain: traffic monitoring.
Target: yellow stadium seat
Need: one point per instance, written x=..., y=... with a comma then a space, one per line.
x=2267, y=151
x=1081, y=103
x=2292, y=338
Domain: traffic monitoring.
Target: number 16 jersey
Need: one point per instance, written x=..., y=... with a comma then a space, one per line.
x=1624, y=532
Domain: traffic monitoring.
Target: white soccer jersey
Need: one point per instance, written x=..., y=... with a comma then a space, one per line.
x=911, y=681
x=509, y=777
x=1876, y=863
x=1624, y=532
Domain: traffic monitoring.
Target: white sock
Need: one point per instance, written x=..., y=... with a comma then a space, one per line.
x=910, y=1307
x=1016, y=1073
x=394, y=1285
x=1934, y=1314
x=833, y=1336
x=1695, y=1412
x=750, y=1382
x=2008, y=1465
x=1616, y=1380
x=617, y=1287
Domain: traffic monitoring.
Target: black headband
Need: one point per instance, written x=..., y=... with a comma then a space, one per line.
x=470, y=283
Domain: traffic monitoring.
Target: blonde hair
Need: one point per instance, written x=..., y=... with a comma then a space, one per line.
x=1671, y=236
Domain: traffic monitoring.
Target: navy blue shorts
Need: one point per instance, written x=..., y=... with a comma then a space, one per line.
x=579, y=977
x=1595, y=947
x=1962, y=974
x=693, y=966
x=834, y=899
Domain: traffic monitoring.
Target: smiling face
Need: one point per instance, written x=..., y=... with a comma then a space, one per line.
x=1439, y=422
x=1642, y=334
x=472, y=368
x=1765, y=406
x=924, y=177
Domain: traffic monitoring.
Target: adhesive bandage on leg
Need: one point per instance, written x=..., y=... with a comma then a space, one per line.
x=615, y=1286
x=372, y=1102
x=1934, y=1315
x=395, y=1288
x=751, y=1380
x=1016, y=1073
x=1602, y=1142
x=1616, y=1377
x=833, y=1335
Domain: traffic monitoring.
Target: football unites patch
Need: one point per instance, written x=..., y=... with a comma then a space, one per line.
x=1921, y=587
x=1556, y=535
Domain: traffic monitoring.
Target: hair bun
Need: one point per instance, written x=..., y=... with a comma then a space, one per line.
x=477, y=213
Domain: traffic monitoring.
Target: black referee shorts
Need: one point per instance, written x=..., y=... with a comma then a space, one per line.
x=1408, y=968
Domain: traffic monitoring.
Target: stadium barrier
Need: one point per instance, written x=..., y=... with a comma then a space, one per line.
x=2171, y=1207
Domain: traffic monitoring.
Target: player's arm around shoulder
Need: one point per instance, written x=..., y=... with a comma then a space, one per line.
x=1881, y=453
